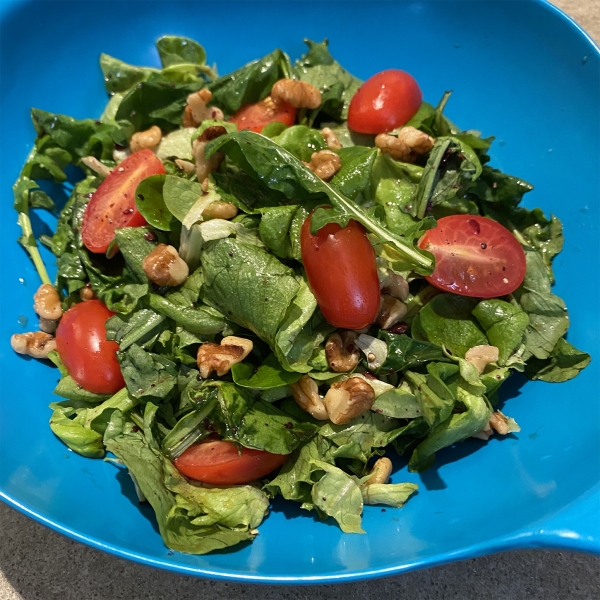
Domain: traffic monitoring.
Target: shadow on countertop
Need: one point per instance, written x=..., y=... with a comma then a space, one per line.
x=40, y=563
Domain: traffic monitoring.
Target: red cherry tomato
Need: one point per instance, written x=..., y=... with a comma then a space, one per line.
x=385, y=101
x=89, y=357
x=220, y=463
x=475, y=256
x=341, y=269
x=112, y=205
x=255, y=116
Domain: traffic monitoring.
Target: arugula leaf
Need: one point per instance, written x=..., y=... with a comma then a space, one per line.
x=564, y=363
x=250, y=83
x=248, y=285
x=134, y=245
x=504, y=325
x=435, y=407
x=281, y=171
x=446, y=321
x=141, y=327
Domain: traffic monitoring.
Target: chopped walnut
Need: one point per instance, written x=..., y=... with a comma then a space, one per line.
x=481, y=356
x=205, y=166
x=343, y=355
x=164, y=266
x=36, y=344
x=407, y=146
x=306, y=394
x=348, y=399
x=150, y=138
x=381, y=471
x=220, y=357
x=391, y=310
x=185, y=165
x=324, y=164
x=300, y=94
x=196, y=110
x=46, y=302
x=332, y=140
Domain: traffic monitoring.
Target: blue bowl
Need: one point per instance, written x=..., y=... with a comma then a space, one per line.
x=522, y=71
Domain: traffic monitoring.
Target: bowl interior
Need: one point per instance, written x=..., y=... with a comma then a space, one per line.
x=519, y=71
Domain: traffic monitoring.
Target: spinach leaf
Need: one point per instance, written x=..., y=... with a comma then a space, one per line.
x=248, y=285
x=269, y=375
x=275, y=229
x=548, y=317
x=354, y=175
x=175, y=50
x=180, y=195
x=255, y=423
x=301, y=141
x=280, y=170
x=406, y=353
x=147, y=374
x=336, y=85
x=447, y=321
x=151, y=204
x=564, y=363
x=250, y=83
x=504, y=325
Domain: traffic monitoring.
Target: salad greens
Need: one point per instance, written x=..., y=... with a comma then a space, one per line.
x=246, y=279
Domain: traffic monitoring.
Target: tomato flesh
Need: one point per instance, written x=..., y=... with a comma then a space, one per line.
x=475, y=256
x=385, y=101
x=256, y=116
x=112, y=205
x=221, y=463
x=88, y=356
x=342, y=273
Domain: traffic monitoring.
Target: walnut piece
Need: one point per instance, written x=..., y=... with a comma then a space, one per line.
x=205, y=166
x=324, y=164
x=46, y=302
x=220, y=357
x=196, y=110
x=37, y=344
x=341, y=351
x=164, y=266
x=300, y=94
x=306, y=394
x=395, y=285
x=406, y=146
x=348, y=399
x=332, y=140
x=148, y=139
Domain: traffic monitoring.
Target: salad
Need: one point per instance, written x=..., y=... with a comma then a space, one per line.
x=271, y=282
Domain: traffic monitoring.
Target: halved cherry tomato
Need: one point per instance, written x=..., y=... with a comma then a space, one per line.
x=385, y=101
x=255, y=116
x=112, y=205
x=341, y=269
x=89, y=357
x=475, y=256
x=220, y=463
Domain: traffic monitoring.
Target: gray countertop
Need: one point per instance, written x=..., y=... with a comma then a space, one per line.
x=36, y=562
